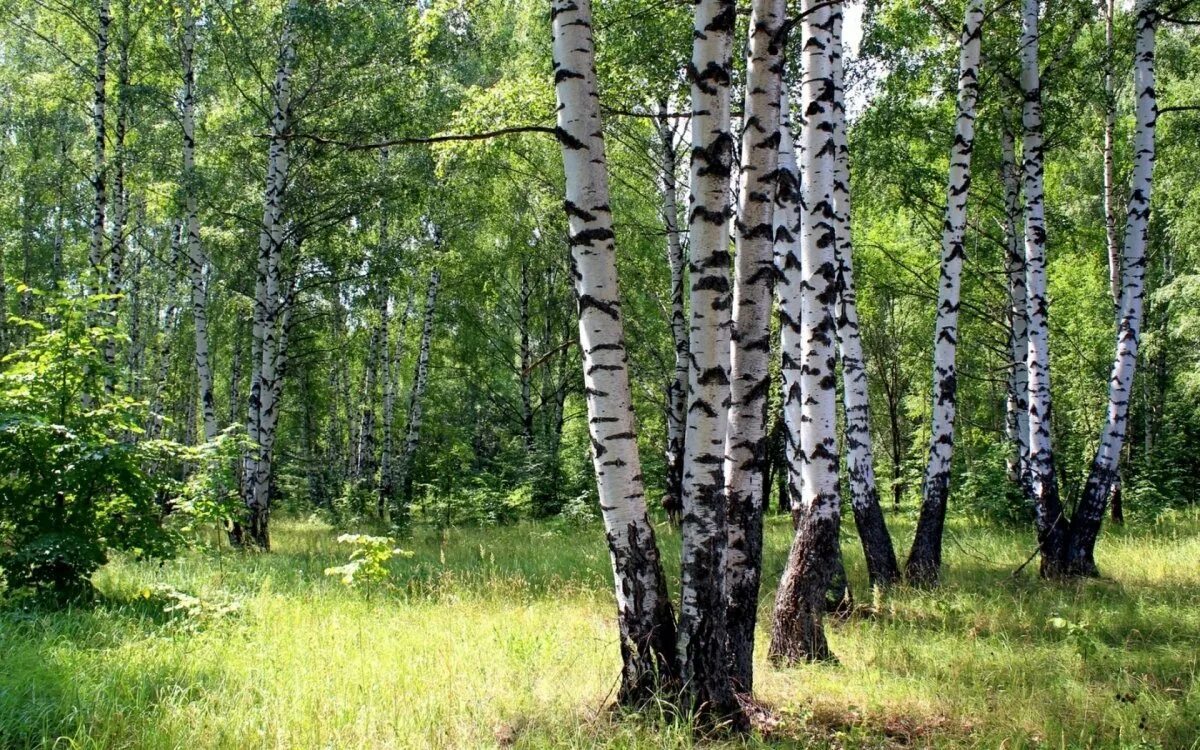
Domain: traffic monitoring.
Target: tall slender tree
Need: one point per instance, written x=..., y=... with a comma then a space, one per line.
x=882, y=569
x=702, y=645
x=754, y=274
x=925, y=559
x=1042, y=482
x=1085, y=523
x=1017, y=404
x=798, y=632
x=644, y=617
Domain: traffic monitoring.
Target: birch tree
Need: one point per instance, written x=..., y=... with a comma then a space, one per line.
x=925, y=559
x=195, y=253
x=1085, y=523
x=882, y=569
x=1043, y=485
x=99, y=151
x=797, y=631
x=268, y=308
x=644, y=617
x=1017, y=403
x=754, y=274
x=412, y=438
x=702, y=634
x=676, y=411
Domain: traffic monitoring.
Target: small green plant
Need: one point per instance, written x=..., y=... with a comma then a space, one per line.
x=189, y=612
x=1077, y=634
x=368, y=564
x=210, y=493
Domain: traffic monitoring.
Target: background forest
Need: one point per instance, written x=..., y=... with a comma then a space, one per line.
x=281, y=269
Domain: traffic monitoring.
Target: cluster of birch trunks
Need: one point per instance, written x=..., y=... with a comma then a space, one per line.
x=784, y=246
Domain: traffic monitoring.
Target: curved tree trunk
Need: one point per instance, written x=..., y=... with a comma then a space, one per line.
x=1043, y=485
x=925, y=560
x=754, y=277
x=1017, y=406
x=702, y=654
x=1085, y=524
x=644, y=617
x=677, y=390
x=798, y=632
x=882, y=568
x=195, y=254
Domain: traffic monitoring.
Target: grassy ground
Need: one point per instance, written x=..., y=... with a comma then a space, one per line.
x=504, y=637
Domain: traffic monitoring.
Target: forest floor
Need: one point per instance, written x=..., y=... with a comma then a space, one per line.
x=504, y=637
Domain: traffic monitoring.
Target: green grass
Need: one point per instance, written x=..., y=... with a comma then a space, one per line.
x=504, y=637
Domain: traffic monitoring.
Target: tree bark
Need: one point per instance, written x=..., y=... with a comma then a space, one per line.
x=704, y=668
x=750, y=382
x=677, y=389
x=268, y=307
x=120, y=198
x=644, y=617
x=1085, y=524
x=798, y=633
x=789, y=234
x=882, y=569
x=99, y=154
x=195, y=253
x=1017, y=406
x=412, y=440
x=1043, y=484
x=925, y=560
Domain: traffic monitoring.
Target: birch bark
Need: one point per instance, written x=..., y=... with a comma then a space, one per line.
x=925, y=560
x=882, y=569
x=1017, y=407
x=1085, y=524
x=702, y=646
x=754, y=277
x=1043, y=484
x=797, y=631
x=644, y=617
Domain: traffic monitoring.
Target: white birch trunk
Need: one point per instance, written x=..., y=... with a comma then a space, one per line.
x=99, y=163
x=677, y=390
x=754, y=277
x=644, y=618
x=1043, y=485
x=267, y=306
x=1085, y=524
x=797, y=631
x=925, y=560
x=1017, y=407
x=880, y=555
x=702, y=647
x=412, y=439
x=789, y=243
x=195, y=254
x=120, y=198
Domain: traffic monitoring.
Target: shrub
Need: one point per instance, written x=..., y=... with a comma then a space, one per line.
x=73, y=482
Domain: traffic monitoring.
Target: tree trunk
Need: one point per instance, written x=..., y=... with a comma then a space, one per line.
x=265, y=382
x=1017, y=407
x=677, y=389
x=789, y=233
x=925, y=560
x=1085, y=524
x=412, y=439
x=797, y=633
x=704, y=667
x=1043, y=485
x=882, y=569
x=99, y=163
x=644, y=617
x=120, y=198
x=195, y=254
x=750, y=382
x=387, y=457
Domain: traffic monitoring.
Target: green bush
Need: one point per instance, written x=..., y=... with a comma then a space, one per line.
x=74, y=483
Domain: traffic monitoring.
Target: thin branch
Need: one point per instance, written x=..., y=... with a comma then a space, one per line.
x=417, y=141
